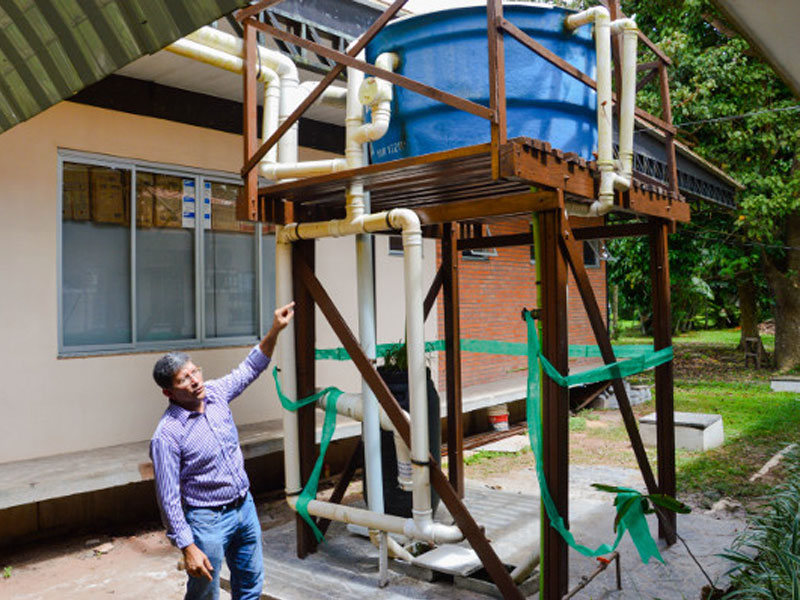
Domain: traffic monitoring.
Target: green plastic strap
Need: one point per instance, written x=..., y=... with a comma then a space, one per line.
x=632, y=521
x=309, y=492
x=493, y=347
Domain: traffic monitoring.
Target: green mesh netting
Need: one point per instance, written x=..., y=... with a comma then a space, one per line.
x=633, y=520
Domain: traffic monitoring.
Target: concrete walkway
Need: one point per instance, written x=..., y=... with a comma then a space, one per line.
x=347, y=564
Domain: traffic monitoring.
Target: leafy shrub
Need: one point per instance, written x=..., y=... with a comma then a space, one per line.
x=767, y=554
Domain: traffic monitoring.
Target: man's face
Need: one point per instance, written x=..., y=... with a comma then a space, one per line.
x=188, y=388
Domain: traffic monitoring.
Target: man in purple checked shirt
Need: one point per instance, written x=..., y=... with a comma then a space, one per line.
x=202, y=488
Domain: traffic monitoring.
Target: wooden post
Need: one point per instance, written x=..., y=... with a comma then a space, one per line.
x=305, y=336
x=247, y=207
x=555, y=404
x=497, y=81
x=452, y=328
x=669, y=138
x=662, y=338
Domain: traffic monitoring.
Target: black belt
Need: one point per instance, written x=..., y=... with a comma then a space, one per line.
x=233, y=504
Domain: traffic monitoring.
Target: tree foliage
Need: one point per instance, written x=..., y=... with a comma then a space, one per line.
x=732, y=109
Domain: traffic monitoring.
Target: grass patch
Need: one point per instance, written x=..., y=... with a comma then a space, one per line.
x=577, y=424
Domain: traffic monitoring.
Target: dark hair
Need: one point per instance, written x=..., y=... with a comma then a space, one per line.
x=166, y=367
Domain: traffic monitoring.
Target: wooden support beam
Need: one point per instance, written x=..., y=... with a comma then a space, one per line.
x=305, y=336
x=452, y=337
x=247, y=207
x=555, y=404
x=433, y=291
x=253, y=10
x=365, y=39
x=497, y=81
x=471, y=530
x=669, y=140
x=665, y=407
x=356, y=460
x=646, y=79
x=463, y=210
x=609, y=232
x=411, y=84
x=573, y=252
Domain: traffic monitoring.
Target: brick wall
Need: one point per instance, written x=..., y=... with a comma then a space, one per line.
x=494, y=291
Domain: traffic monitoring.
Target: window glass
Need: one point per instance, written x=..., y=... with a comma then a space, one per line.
x=229, y=254
x=165, y=232
x=96, y=281
x=590, y=255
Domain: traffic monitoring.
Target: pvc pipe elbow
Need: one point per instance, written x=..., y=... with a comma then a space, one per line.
x=422, y=527
x=406, y=220
x=627, y=25
x=594, y=14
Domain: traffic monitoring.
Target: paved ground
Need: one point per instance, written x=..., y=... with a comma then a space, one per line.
x=144, y=565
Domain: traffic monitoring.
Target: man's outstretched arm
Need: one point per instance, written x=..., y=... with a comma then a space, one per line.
x=280, y=320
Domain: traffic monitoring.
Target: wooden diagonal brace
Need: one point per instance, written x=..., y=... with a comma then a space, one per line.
x=461, y=515
x=574, y=255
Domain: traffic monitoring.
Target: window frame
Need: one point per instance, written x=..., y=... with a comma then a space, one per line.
x=200, y=340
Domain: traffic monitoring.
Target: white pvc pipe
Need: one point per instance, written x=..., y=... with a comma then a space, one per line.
x=435, y=533
x=371, y=425
x=333, y=95
x=609, y=179
x=281, y=64
x=408, y=221
x=377, y=94
x=288, y=375
x=352, y=406
x=630, y=37
x=229, y=62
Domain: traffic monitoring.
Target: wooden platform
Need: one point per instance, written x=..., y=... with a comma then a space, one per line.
x=457, y=184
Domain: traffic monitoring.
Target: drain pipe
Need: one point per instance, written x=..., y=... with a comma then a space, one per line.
x=280, y=63
x=369, y=92
x=609, y=178
x=223, y=60
x=630, y=37
x=352, y=406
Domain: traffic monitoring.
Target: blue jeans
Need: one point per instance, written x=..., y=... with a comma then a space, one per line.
x=236, y=535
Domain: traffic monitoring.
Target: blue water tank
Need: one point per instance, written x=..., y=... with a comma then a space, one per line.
x=448, y=50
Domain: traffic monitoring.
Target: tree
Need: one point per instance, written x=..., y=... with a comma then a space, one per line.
x=735, y=111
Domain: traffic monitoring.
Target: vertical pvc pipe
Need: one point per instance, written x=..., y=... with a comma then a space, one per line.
x=288, y=375
x=371, y=426
x=417, y=380
x=630, y=39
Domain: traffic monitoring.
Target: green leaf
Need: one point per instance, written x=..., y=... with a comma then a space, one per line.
x=670, y=503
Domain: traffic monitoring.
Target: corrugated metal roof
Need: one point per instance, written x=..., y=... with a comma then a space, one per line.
x=51, y=49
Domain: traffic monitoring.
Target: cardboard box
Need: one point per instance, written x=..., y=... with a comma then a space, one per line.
x=168, y=201
x=75, y=192
x=223, y=207
x=109, y=195
x=145, y=188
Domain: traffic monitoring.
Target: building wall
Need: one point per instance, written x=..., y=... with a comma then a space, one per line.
x=494, y=291
x=52, y=405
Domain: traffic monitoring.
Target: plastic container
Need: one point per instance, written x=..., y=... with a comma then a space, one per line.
x=498, y=417
x=448, y=50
